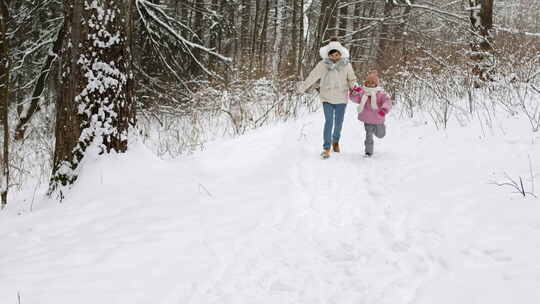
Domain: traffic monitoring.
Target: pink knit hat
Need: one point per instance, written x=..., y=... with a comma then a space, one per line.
x=372, y=79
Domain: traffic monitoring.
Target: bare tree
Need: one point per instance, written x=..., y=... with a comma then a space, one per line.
x=4, y=101
x=384, y=37
x=279, y=30
x=325, y=21
x=39, y=87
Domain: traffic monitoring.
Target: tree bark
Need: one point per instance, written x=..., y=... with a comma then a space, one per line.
x=263, y=46
x=343, y=21
x=40, y=86
x=328, y=8
x=245, y=29
x=293, y=47
x=198, y=27
x=254, y=35
x=94, y=107
x=359, y=10
x=4, y=102
x=301, y=47
x=332, y=26
x=385, y=37
x=481, y=16
x=279, y=29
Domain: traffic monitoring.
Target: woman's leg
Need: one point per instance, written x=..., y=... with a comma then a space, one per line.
x=340, y=114
x=328, y=124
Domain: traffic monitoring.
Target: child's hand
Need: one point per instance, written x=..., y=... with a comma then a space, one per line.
x=382, y=112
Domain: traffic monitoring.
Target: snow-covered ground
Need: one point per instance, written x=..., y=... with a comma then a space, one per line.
x=261, y=219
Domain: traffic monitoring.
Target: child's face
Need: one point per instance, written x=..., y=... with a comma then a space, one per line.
x=370, y=84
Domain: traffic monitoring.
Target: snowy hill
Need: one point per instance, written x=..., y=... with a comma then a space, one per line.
x=261, y=219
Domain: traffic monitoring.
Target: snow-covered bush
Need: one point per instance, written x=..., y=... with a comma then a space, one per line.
x=221, y=112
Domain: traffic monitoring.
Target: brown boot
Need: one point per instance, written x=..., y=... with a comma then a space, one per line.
x=335, y=146
x=325, y=153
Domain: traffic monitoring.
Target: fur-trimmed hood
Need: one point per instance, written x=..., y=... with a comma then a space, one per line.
x=333, y=45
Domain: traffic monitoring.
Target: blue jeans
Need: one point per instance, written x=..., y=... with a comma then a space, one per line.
x=331, y=112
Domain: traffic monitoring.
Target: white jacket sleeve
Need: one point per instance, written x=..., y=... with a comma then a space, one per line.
x=351, y=76
x=315, y=75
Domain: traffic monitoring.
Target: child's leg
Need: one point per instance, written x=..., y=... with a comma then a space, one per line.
x=380, y=131
x=370, y=129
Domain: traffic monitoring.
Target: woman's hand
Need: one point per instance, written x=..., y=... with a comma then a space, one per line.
x=356, y=89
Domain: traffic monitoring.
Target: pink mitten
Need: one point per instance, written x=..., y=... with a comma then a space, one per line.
x=382, y=112
x=354, y=96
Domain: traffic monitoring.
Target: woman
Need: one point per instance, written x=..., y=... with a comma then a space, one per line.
x=337, y=77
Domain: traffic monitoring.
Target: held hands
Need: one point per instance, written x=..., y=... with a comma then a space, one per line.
x=356, y=89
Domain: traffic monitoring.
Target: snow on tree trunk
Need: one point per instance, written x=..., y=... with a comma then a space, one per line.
x=481, y=16
x=94, y=107
x=4, y=103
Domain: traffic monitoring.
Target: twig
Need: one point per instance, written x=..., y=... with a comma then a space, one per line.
x=531, y=173
x=519, y=187
x=201, y=186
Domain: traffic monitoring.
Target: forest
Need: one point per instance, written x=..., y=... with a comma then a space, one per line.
x=80, y=77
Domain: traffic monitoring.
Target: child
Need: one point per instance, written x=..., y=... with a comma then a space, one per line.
x=374, y=104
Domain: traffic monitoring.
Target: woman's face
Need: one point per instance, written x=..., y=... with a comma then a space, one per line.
x=335, y=56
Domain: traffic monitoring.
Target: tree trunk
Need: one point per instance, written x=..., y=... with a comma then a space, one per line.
x=359, y=10
x=4, y=102
x=385, y=38
x=254, y=35
x=215, y=37
x=343, y=21
x=263, y=49
x=39, y=88
x=280, y=25
x=198, y=27
x=94, y=106
x=301, y=55
x=332, y=26
x=293, y=47
x=327, y=11
x=245, y=30
x=481, y=16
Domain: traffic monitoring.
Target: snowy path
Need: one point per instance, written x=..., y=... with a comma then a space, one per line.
x=261, y=219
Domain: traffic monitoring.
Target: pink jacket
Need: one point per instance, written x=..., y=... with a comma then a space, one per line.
x=368, y=115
